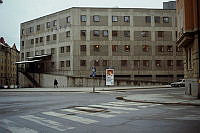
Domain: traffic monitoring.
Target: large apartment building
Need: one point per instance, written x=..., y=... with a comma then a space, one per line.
x=140, y=44
x=8, y=57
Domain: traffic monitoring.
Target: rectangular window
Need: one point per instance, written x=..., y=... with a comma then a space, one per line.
x=67, y=63
x=158, y=63
x=127, y=48
x=105, y=33
x=48, y=25
x=157, y=19
x=27, y=54
x=38, y=27
x=31, y=29
x=179, y=63
x=96, y=48
x=169, y=49
x=114, y=33
x=83, y=48
x=148, y=19
x=104, y=63
x=179, y=49
x=54, y=36
x=114, y=48
x=52, y=50
x=23, y=31
x=189, y=58
x=145, y=48
x=96, y=33
x=67, y=48
x=160, y=34
x=165, y=19
x=96, y=18
x=22, y=43
x=126, y=33
x=83, y=18
x=126, y=18
x=41, y=39
x=160, y=48
x=144, y=33
x=48, y=38
x=62, y=64
x=62, y=49
x=68, y=34
x=42, y=52
x=82, y=62
x=32, y=41
x=124, y=62
x=145, y=63
x=169, y=62
x=54, y=23
x=96, y=63
x=36, y=40
x=68, y=19
x=114, y=18
x=83, y=32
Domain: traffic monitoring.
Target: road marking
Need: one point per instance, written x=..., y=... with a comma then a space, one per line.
x=71, y=117
x=112, y=107
x=189, y=117
x=48, y=123
x=89, y=113
x=129, y=103
x=15, y=129
x=89, y=108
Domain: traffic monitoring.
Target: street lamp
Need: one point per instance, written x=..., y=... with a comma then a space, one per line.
x=1, y=1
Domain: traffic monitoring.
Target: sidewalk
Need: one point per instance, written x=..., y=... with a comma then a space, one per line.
x=81, y=89
x=169, y=98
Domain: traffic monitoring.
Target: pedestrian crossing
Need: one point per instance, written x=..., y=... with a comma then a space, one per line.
x=85, y=115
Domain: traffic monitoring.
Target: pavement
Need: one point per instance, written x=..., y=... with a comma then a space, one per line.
x=174, y=98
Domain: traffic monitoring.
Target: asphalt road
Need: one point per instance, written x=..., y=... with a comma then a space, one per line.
x=59, y=112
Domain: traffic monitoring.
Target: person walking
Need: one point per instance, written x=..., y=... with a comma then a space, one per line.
x=55, y=83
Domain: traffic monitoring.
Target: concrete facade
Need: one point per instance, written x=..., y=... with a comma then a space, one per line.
x=169, y=5
x=138, y=43
x=188, y=37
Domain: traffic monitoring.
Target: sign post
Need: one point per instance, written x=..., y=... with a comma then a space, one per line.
x=109, y=77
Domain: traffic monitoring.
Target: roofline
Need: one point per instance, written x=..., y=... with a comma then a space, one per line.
x=95, y=8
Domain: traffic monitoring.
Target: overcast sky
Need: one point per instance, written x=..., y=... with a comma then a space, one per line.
x=14, y=12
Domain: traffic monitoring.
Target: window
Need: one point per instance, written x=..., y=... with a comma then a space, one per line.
x=36, y=40
x=145, y=63
x=27, y=54
x=41, y=39
x=96, y=48
x=114, y=33
x=144, y=33
x=54, y=23
x=83, y=32
x=83, y=48
x=145, y=48
x=23, y=31
x=160, y=48
x=52, y=50
x=189, y=58
x=126, y=18
x=114, y=18
x=105, y=33
x=179, y=63
x=169, y=62
x=62, y=49
x=158, y=63
x=32, y=41
x=160, y=34
x=54, y=37
x=82, y=62
x=96, y=33
x=104, y=63
x=96, y=18
x=62, y=63
x=22, y=43
x=126, y=33
x=38, y=27
x=179, y=49
x=48, y=38
x=83, y=18
x=127, y=48
x=96, y=63
x=114, y=48
x=124, y=62
x=67, y=63
x=169, y=49
x=157, y=19
x=48, y=25
x=67, y=48
x=165, y=19
x=68, y=34
x=148, y=19
x=22, y=56
x=31, y=29
x=68, y=19
x=42, y=52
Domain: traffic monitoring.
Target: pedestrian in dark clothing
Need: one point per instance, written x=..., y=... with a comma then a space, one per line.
x=55, y=83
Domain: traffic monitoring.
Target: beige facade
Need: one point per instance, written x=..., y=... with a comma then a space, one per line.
x=8, y=57
x=138, y=43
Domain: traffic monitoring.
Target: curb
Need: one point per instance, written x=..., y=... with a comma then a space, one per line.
x=155, y=102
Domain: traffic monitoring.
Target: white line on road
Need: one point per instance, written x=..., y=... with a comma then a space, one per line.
x=45, y=122
x=70, y=117
x=89, y=113
x=112, y=107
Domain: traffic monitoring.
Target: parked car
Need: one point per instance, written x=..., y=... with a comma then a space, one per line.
x=179, y=83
